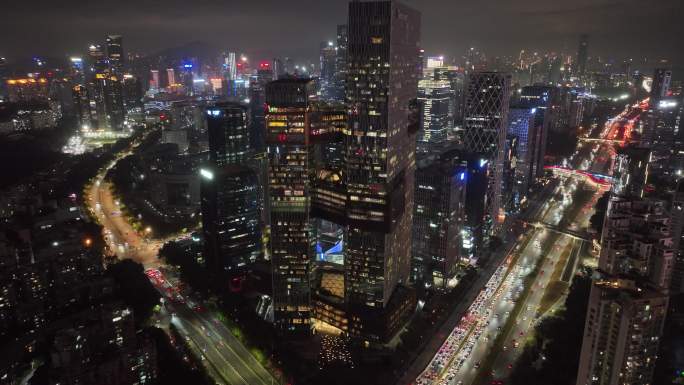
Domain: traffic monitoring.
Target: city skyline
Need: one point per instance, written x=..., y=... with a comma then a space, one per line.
x=361, y=208
x=531, y=25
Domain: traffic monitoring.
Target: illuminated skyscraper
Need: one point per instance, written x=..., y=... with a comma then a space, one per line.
x=628, y=300
x=677, y=215
x=521, y=123
x=115, y=54
x=485, y=126
x=438, y=219
x=228, y=128
x=340, y=63
x=154, y=79
x=230, y=192
x=230, y=219
x=290, y=171
x=82, y=107
x=76, y=70
x=229, y=66
x=381, y=85
x=97, y=59
x=170, y=76
x=455, y=77
x=660, y=85
x=257, y=100
x=305, y=163
x=328, y=69
x=436, y=101
x=108, y=97
x=544, y=101
x=132, y=91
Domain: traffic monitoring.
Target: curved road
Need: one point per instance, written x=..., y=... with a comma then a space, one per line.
x=227, y=360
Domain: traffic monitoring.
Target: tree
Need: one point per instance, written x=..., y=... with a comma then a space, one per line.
x=173, y=254
x=135, y=288
x=558, y=340
x=596, y=220
x=191, y=272
x=495, y=243
x=172, y=369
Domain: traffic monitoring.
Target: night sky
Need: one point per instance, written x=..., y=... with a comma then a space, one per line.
x=267, y=28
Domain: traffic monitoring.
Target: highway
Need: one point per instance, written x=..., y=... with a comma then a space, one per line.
x=475, y=351
x=461, y=357
x=211, y=340
x=225, y=357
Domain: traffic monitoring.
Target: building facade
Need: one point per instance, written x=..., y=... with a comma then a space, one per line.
x=229, y=194
x=484, y=132
x=436, y=102
x=290, y=171
x=382, y=81
x=629, y=294
x=438, y=217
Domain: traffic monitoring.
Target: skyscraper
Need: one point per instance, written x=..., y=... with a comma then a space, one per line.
x=76, y=70
x=454, y=75
x=154, y=80
x=630, y=171
x=628, y=300
x=230, y=219
x=436, y=102
x=257, y=100
x=229, y=190
x=380, y=149
x=228, y=129
x=544, y=100
x=660, y=84
x=82, y=107
x=439, y=211
x=582, y=55
x=521, y=124
x=97, y=59
x=115, y=54
x=290, y=158
x=485, y=125
x=108, y=98
x=132, y=91
x=340, y=63
x=229, y=66
x=170, y=77
x=328, y=63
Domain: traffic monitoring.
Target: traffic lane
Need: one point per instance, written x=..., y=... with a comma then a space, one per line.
x=210, y=360
x=527, y=260
x=526, y=319
x=231, y=342
x=498, y=318
x=470, y=336
x=212, y=332
x=214, y=350
x=125, y=242
x=426, y=358
x=219, y=337
x=497, y=315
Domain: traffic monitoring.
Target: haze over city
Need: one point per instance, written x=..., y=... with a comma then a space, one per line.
x=342, y=192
